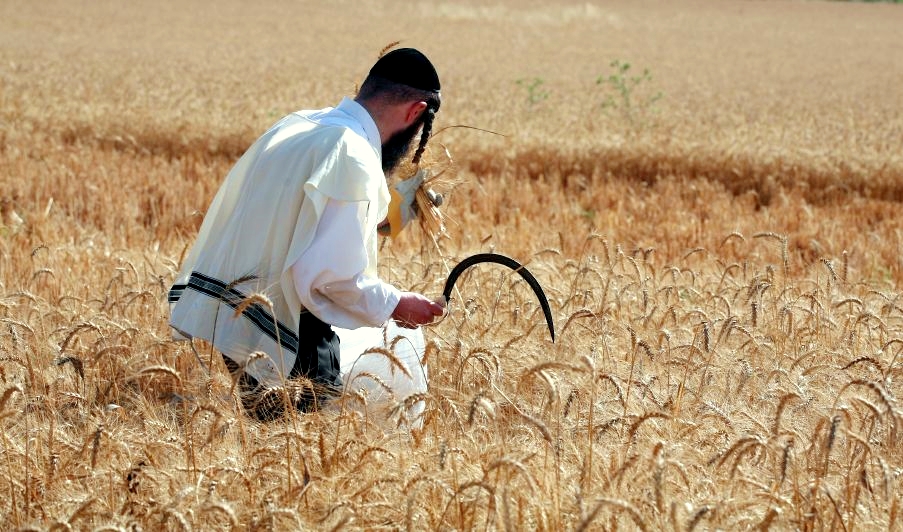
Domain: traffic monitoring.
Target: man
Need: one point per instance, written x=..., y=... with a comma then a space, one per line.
x=287, y=249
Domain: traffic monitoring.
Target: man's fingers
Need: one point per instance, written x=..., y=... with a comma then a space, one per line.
x=414, y=310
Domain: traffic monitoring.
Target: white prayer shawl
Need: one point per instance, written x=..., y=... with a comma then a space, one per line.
x=261, y=220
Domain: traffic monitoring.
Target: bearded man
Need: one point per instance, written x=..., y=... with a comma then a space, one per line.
x=287, y=249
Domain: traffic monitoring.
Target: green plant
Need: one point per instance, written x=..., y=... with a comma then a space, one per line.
x=535, y=92
x=628, y=94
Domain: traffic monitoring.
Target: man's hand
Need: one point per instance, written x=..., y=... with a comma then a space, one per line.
x=414, y=310
x=403, y=207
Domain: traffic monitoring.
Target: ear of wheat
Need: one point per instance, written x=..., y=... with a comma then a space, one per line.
x=442, y=179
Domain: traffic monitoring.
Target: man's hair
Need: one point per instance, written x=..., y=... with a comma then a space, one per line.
x=378, y=89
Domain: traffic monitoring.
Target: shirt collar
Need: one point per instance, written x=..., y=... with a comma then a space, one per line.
x=360, y=115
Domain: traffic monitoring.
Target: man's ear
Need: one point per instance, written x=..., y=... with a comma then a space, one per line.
x=414, y=111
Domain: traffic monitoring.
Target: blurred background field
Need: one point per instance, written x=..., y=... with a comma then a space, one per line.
x=709, y=192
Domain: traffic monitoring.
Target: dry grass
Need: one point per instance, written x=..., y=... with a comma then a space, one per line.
x=723, y=266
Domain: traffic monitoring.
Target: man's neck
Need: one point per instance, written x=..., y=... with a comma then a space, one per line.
x=377, y=112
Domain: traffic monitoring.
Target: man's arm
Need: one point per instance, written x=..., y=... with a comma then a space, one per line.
x=331, y=284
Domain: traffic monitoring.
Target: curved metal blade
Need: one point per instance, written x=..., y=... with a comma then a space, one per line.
x=504, y=261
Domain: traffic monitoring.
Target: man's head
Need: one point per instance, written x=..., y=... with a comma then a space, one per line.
x=401, y=92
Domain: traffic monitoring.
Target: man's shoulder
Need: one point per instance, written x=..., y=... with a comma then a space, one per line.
x=298, y=131
x=298, y=137
x=356, y=126
x=357, y=146
x=347, y=167
x=345, y=141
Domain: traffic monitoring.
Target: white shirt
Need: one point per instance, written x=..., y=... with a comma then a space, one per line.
x=329, y=275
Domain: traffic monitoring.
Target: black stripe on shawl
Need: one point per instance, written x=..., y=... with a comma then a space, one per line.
x=255, y=313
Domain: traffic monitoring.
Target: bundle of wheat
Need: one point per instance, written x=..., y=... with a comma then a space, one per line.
x=441, y=178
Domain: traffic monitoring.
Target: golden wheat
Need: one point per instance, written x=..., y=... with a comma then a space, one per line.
x=722, y=262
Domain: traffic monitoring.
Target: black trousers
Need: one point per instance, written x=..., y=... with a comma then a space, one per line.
x=317, y=360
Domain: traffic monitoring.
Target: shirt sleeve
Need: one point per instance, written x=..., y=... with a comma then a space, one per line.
x=329, y=274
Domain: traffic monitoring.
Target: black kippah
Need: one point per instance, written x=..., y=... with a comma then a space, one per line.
x=407, y=66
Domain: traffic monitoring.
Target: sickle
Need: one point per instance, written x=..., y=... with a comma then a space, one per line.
x=504, y=261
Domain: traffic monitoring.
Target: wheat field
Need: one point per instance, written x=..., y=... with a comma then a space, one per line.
x=708, y=191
